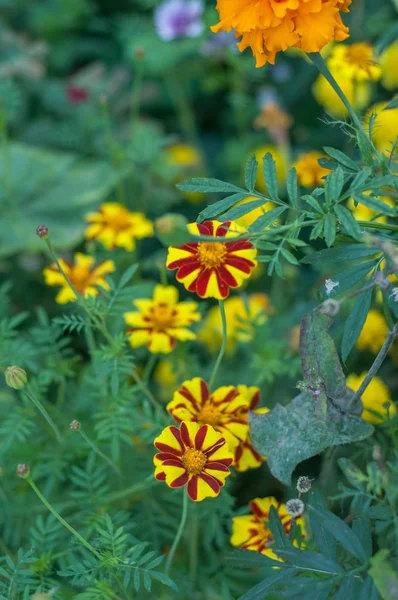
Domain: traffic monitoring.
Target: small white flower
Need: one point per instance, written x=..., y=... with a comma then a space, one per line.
x=330, y=285
x=295, y=507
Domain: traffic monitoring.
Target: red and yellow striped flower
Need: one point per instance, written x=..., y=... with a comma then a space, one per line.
x=193, y=455
x=251, y=532
x=225, y=409
x=211, y=268
x=84, y=275
x=246, y=457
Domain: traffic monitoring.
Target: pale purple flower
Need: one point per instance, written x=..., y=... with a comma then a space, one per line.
x=179, y=19
x=218, y=44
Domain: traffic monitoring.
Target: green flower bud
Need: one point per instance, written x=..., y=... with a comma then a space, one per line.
x=171, y=229
x=16, y=377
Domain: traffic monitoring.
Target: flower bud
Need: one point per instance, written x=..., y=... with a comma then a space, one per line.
x=330, y=307
x=171, y=229
x=295, y=507
x=74, y=425
x=303, y=484
x=16, y=377
x=23, y=471
x=42, y=232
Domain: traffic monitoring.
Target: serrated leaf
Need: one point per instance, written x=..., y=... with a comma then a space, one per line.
x=206, y=185
x=311, y=561
x=218, y=208
x=165, y=579
x=355, y=322
x=313, y=203
x=330, y=229
x=360, y=179
x=251, y=173
x=270, y=176
x=267, y=218
x=347, y=219
x=341, y=158
x=392, y=104
x=352, y=473
x=243, y=209
x=333, y=185
x=127, y=276
x=374, y=204
x=289, y=256
x=292, y=186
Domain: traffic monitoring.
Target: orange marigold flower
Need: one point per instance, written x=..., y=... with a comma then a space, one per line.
x=211, y=268
x=251, y=532
x=225, y=409
x=161, y=321
x=309, y=172
x=84, y=275
x=116, y=227
x=270, y=26
x=193, y=455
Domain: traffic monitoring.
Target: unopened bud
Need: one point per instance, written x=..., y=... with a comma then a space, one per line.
x=303, y=484
x=16, y=377
x=330, y=307
x=171, y=229
x=295, y=507
x=74, y=425
x=42, y=232
x=23, y=471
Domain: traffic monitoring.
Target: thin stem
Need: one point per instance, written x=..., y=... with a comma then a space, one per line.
x=113, y=149
x=45, y=414
x=372, y=225
x=149, y=368
x=357, y=292
x=377, y=364
x=98, y=451
x=55, y=259
x=90, y=339
x=223, y=344
x=133, y=489
x=144, y=388
x=136, y=94
x=123, y=588
x=194, y=547
x=179, y=532
x=60, y=519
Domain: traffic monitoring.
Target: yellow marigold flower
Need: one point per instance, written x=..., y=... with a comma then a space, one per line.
x=251, y=532
x=225, y=409
x=280, y=165
x=374, y=399
x=169, y=374
x=84, y=275
x=364, y=213
x=358, y=94
x=195, y=456
x=211, y=268
x=269, y=27
x=249, y=218
x=309, y=172
x=385, y=127
x=160, y=322
x=115, y=227
x=355, y=62
x=246, y=457
x=388, y=63
x=188, y=161
x=243, y=316
x=374, y=332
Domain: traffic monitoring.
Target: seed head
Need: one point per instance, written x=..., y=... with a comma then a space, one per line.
x=16, y=377
x=74, y=425
x=330, y=307
x=23, y=471
x=42, y=232
x=303, y=484
x=295, y=507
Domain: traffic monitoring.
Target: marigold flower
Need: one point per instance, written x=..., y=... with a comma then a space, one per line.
x=375, y=399
x=355, y=62
x=388, y=63
x=280, y=165
x=211, y=268
x=269, y=27
x=243, y=315
x=251, y=532
x=246, y=457
x=385, y=127
x=160, y=322
x=373, y=334
x=309, y=172
x=116, y=227
x=225, y=409
x=193, y=455
x=84, y=275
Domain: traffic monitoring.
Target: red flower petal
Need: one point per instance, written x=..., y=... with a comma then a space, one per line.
x=203, y=281
x=227, y=277
x=185, y=436
x=206, y=228
x=223, y=229
x=239, y=245
x=160, y=476
x=172, y=462
x=242, y=264
x=168, y=449
x=211, y=482
x=219, y=465
x=192, y=488
x=201, y=436
x=180, y=481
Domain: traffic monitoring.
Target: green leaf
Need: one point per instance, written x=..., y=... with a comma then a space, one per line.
x=362, y=527
x=242, y=209
x=349, y=588
x=368, y=590
x=330, y=229
x=249, y=559
x=355, y=322
x=392, y=104
x=270, y=176
x=251, y=173
x=374, y=204
x=267, y=218
x=292, y=186
x=311, y=561
x=351, y=277
x=323, y=539
x=289, y=256
x=205, y=185
x=313, y=203
x=384, y=575
x=127, y=276
x=360, y=178
x=333, y=185
x=277, y=530
x=339, y=255
x=217, y=208
x=346, y=218
x=273, y=580
x=354, y=475
x=341, y=158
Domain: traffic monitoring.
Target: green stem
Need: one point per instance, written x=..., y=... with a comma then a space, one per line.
x=136, y=95
x=223, y=344
x=182, y=106
x=88, y=332
x=179, y=532
x=45, y=414
x=144, y=388
x=133, y=489
x=322, y=67
x=60, y=519
x=113, y=150
x=372, y=225
x=98, y=451
x=194, y=547
x=55, y=259
x=149, y=368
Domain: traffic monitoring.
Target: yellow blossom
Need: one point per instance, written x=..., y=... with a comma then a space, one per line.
x=389, y=67
x=116, y=227
x=309, y=172
x=161, y=321
x=375, y=399
x=385, y=126
x=280, y=165
x=358, y=94
x=355, y=62
x=364, y=213
x=84, y=275
x=374, y=333
x=187, y=162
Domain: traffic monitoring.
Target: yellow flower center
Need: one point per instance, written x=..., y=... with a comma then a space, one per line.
x=80, y=277
x=209, y=415
x=118, y=221
x=162, y=317
x=211, y=254
x=359, y=55
x=194, y=460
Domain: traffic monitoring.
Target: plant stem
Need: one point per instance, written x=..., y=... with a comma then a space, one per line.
x=149, y=368
x=223, y=344
x=45, y=414
x=98, y=451
x=377, y=363
x=144, y=388
x=136, y=95
x=60, y=519
x=114, y=150
x=133, y=489
x=179, y=532
x=55, y=259
x=193, y=549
